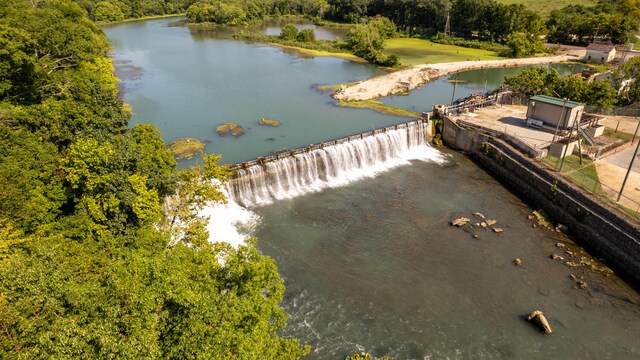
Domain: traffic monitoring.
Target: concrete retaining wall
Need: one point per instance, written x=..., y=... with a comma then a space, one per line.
x=592, y=222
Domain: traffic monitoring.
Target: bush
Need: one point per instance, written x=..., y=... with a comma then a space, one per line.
x=289, y=32
x=306, y=35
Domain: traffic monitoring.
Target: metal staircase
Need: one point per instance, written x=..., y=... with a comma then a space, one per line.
x=586, y=136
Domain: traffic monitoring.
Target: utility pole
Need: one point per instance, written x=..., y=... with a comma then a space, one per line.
x=447, y=27
x=485, y=84
x=626, y=176
x=453, y=93
x=564, y=150
x=560, y=119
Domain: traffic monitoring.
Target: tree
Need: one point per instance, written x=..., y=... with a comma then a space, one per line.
x=289, y=32
x=537, y=80
x=367, y=41
x=306, y=35
x=107, y=12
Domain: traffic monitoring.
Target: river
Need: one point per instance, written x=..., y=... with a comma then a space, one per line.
x=374, y=265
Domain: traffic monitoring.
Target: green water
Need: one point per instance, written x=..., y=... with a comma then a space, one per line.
x=188, y=81
x=374, y=265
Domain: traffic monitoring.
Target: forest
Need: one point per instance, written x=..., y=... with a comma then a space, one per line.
x=95, y=262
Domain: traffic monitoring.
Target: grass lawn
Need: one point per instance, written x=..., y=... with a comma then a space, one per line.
x=584, y=175
x=417, y=51
x=544, y=7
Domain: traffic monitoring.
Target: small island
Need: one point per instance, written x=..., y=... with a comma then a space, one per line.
x=230, y=128
x=269, y=122
x=185, y=148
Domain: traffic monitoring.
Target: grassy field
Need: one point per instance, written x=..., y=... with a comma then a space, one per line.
x=544, y=7
x=417, y=51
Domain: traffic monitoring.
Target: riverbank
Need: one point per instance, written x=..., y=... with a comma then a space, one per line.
x=302, y=52
x=103, y=24
x=596, y=224
x=408, y=79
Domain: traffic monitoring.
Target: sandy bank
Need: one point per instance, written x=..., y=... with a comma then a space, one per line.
x=408, y=79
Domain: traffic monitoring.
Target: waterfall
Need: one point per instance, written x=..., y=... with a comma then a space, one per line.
x=331, y=165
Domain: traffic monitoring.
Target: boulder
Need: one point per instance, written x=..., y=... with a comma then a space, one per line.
x=538, y=318
x=269, y=122
x=460, y=221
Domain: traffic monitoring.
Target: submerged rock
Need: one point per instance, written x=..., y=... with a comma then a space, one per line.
x=478, y=215
x=185, y=148
x=498, y=230
x=230, y=128
x=269, y=122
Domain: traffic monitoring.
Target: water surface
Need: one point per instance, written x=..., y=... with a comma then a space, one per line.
x=186, y=83
x=374, y=265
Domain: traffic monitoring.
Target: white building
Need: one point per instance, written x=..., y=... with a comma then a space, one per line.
x=600, y=53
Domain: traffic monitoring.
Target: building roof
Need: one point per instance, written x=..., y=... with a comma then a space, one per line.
x=600, y=47
x=555, y=101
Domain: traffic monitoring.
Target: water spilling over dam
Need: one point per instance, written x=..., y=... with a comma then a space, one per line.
x=331, y=164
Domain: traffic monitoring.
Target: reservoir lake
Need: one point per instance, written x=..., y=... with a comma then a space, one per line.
x=374, y=265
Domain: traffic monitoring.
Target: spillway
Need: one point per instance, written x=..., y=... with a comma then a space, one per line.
x=337, y=164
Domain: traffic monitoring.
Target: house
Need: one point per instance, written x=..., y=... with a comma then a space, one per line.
x=600, y=53
x=555, y=112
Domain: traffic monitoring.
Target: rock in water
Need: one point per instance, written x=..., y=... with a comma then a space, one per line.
x=498, y=230
x=269, y=122
x=538, y=318
x=478, y=215
x=491, y=222
x=185, y=148
x=460, y=221
x=518, y=262
x=230, y=128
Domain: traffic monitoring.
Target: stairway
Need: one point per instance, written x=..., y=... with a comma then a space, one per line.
x=586, y=136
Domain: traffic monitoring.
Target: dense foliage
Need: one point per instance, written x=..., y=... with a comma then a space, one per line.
x=91, y=266
x=615, y=21
x=118, y=10
x=545, y=81
x=237, y=12
x=626, y=79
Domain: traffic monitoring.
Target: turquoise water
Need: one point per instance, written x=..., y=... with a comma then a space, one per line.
x=374, y=265
x=186, y=83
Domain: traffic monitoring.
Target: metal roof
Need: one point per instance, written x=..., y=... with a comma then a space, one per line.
x=555, y=101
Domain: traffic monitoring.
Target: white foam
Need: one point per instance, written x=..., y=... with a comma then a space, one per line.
x=230, y=223
x=332, y=166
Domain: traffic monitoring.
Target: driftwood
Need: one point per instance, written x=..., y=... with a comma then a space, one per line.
x=537, y=317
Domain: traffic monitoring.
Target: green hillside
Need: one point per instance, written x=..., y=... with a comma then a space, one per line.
x=544, y=7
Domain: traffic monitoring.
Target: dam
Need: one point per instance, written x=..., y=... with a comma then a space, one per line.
x=330, y=164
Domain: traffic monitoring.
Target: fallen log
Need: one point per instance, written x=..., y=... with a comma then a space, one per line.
x=538, y=318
